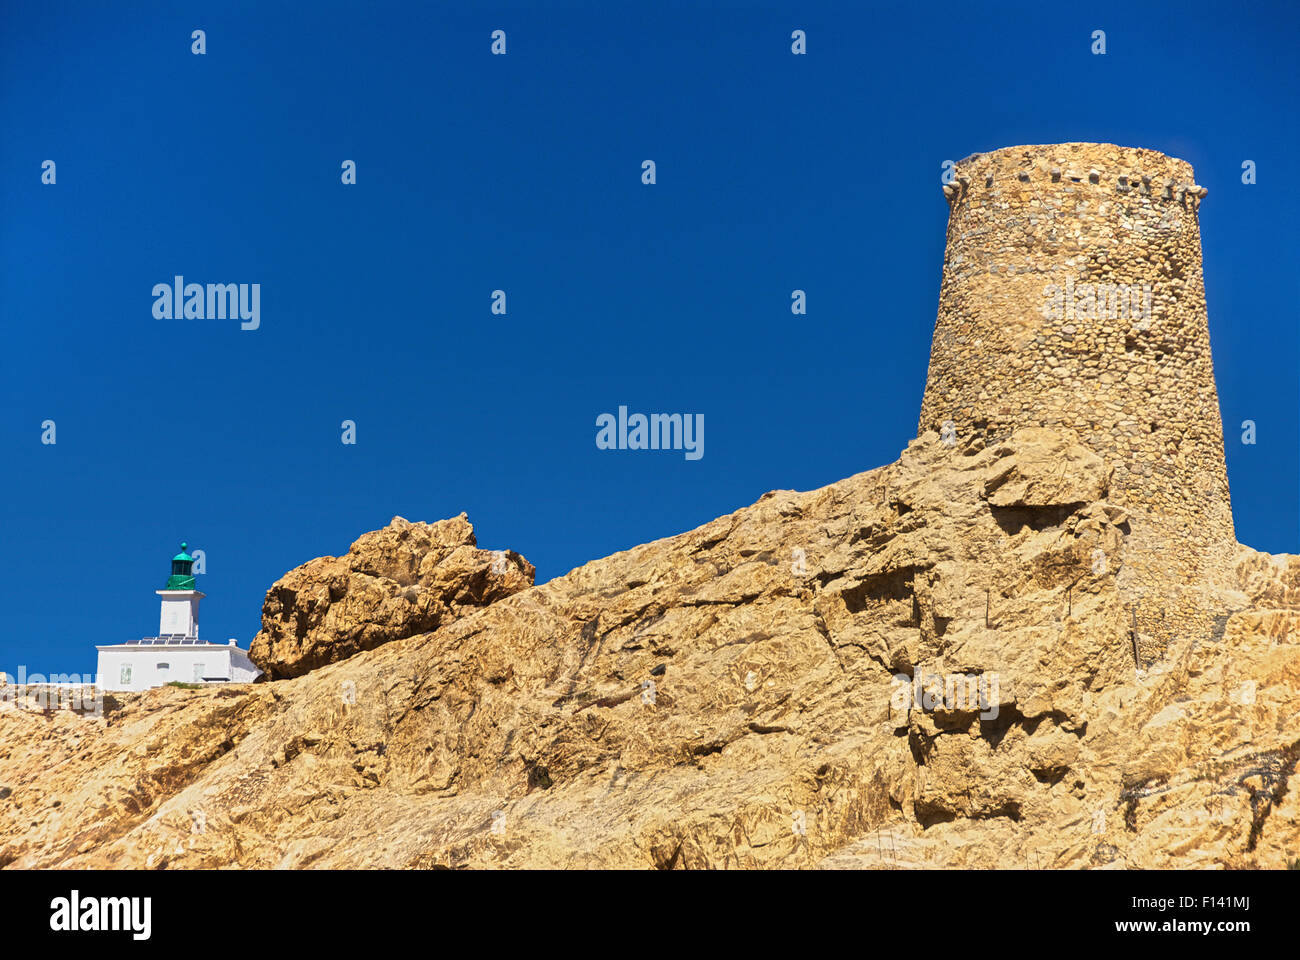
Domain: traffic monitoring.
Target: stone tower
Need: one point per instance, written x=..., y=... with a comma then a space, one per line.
x=1072, y=297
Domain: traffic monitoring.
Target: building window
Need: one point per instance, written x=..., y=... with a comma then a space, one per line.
x=163, y=667
x=125, y=676
x=198, y=673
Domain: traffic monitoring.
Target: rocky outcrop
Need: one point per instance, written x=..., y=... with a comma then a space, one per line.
x=889, y=671
x=1269, y=580
x=405, y=579
x=1042, y=468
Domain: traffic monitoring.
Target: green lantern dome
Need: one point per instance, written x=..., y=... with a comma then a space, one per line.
x=182, y=564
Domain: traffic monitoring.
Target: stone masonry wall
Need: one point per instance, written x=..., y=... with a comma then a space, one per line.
x=1031, y=332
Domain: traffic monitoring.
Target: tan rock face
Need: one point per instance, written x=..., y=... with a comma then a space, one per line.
x=405, y=579
x=889, y=671
x=1040, y=468
x=1270, y=581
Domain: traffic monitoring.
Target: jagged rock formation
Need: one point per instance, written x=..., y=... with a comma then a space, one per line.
x=728, y=697
x=404, y=579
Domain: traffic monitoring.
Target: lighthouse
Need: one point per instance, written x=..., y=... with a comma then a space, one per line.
x=176, y=654
x=180, y=600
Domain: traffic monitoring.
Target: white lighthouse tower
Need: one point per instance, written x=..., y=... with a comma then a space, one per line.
x=176, y=655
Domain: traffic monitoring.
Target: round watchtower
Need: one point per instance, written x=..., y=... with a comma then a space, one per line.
x=1072, y=297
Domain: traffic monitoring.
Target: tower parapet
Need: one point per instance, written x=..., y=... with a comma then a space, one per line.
x=1072, y=297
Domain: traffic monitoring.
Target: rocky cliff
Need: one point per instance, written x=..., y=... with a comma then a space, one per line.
x=405, y=579
x=928, y=664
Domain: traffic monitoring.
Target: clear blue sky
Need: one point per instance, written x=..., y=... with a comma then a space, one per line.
x=523, y=173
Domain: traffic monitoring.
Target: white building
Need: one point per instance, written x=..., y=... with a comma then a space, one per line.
x=177, y=653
